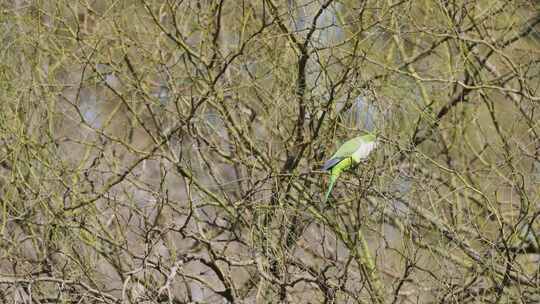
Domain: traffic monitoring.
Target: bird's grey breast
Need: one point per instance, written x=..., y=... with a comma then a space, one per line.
x=364, y=150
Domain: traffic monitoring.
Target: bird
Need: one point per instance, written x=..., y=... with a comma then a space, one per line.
x=350, y=153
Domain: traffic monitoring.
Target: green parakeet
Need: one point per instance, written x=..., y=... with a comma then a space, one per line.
x=350, y=153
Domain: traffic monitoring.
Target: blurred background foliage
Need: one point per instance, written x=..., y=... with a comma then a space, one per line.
x=170, y=151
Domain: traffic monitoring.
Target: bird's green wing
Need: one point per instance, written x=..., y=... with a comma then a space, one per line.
x=349, y=147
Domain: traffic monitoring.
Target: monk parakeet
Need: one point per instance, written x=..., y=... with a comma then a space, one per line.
x=350, y=153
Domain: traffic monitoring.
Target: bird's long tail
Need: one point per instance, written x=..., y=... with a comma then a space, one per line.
x=333, y=179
